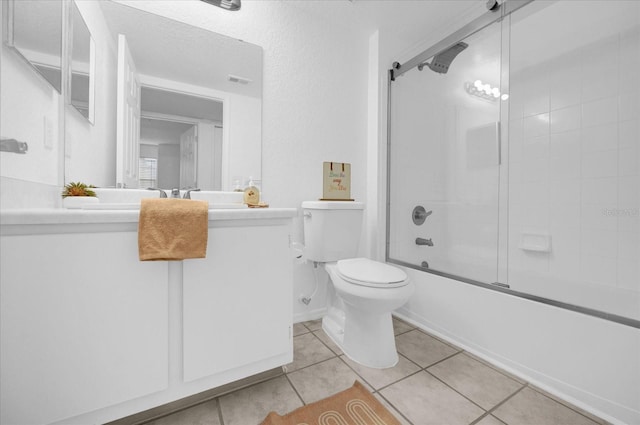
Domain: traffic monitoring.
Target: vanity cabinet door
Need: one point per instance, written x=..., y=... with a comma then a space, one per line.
x=84, y=324
x=237, y=301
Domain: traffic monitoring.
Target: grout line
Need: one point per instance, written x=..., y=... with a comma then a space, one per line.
x=219, y=406
x=494, y=408
x=567, y=405
x=401, y=379
x=408, y=359
x=441, y=360
x=395, y=408
x=458, y=392
x=496, y=368
x=325, y=344
x=314, y=364
x=294, y=389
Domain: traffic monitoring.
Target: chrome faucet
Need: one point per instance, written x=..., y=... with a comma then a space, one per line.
x=175, y=193
x=187, y=194
x=422, y=241
x=163, y=194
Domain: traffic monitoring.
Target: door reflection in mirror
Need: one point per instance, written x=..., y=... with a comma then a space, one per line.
x=180, y=140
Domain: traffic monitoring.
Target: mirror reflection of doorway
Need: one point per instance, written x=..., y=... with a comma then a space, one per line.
x=180, y=141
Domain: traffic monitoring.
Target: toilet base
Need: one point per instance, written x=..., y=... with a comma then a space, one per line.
x=365, y=338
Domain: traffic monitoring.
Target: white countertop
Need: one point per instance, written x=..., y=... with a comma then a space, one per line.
x=79, y=216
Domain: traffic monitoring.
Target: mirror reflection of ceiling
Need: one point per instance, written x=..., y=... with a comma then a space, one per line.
x=161, y=46
x=81, y=37
x=158, y=132
x=172, y=103
x=46, y=17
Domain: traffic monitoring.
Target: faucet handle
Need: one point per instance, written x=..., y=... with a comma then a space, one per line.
x=187, y=194
x=163, y=194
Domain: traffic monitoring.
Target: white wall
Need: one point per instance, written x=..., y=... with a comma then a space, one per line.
x=31, y=113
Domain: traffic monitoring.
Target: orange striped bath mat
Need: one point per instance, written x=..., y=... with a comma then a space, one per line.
x=354, y=406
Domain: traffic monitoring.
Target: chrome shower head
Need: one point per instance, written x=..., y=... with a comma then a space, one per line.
x=441, y=62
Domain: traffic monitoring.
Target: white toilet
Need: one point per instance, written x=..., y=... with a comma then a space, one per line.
x=366, y=291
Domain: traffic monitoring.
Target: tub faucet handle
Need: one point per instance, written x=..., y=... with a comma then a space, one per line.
x=175, y=192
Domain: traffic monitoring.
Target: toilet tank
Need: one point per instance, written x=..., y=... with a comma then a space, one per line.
x=331, y=229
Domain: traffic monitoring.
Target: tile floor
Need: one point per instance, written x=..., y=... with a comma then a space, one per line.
x=433, y=383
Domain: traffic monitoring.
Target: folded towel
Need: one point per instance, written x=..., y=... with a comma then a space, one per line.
x=172, y=229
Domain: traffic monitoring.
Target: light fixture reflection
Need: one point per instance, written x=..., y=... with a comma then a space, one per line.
x=484, y=91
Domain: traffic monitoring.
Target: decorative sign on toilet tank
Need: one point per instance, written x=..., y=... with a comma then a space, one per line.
x=336, y=183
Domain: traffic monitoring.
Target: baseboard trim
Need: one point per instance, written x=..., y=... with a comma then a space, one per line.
x=315, y=314
x=192, y=400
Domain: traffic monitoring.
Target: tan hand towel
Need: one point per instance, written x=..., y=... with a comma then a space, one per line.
x=172, y=229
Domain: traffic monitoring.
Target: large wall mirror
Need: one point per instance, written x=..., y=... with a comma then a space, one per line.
x=200, y=97
x=196, y=121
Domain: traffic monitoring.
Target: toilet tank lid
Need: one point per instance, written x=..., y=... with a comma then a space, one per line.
x=332, y=205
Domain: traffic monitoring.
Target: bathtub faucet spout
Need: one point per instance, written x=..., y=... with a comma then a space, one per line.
x=422, y=241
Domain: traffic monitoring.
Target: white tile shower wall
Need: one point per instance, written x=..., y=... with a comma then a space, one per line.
x=573, y=173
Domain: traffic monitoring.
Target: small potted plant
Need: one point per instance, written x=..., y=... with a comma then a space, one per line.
x=77, y=194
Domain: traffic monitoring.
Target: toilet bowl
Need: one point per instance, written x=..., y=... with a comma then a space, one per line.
x=361, y=324
x=365, y=292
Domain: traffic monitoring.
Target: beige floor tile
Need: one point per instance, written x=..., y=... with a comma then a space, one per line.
x=251, y=405
x=307, y=350
x=400, y=326
x=392, y=409
x=502, y=371
x=483, y=385
x=424, y=400
x=570, y=406
x=489, y=420
x=379, y=378
x=202, y=414
x=529, y=407
x=299, y=329
x=328, y=342
x=313, y=325
x=423, y=349
x=323, y=380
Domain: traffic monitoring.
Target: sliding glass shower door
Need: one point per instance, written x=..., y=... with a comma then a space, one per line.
x=514, y=156
x=445, y=156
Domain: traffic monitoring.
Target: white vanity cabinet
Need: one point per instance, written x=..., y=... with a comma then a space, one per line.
x=90, y=334
x=83, y=324
x=236, y=301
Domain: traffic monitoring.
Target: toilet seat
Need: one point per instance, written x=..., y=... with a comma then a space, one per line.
x=374, y=274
